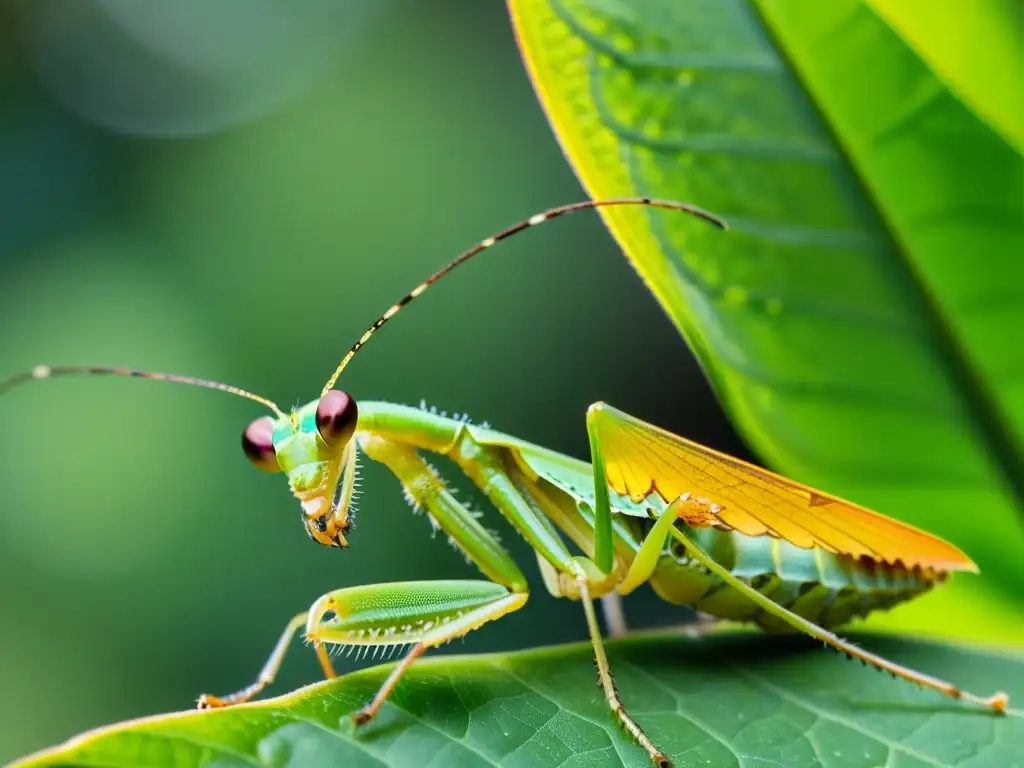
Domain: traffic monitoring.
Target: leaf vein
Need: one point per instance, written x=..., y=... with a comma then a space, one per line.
x=824, y=714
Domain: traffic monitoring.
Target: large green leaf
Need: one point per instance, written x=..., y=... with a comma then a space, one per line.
x=861, y=322
x=730, y=700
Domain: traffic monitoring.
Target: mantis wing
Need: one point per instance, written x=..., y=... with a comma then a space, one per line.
x=641, y=459
x=571, y=476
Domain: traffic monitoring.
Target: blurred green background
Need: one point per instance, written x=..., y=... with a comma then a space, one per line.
x=184, y=192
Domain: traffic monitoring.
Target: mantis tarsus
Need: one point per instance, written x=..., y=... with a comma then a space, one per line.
x=700, y=527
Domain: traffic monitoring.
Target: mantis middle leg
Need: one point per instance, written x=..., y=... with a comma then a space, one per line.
x=565, y=575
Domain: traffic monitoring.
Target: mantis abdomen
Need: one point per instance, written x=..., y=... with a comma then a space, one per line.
x=822, y=587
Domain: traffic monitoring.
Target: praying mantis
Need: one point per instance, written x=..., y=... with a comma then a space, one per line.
x=702, y=528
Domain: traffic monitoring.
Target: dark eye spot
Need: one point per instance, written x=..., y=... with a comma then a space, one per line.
x=336, y=418
x=258, y=444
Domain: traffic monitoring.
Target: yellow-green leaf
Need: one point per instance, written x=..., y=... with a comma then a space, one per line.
x=861, y=321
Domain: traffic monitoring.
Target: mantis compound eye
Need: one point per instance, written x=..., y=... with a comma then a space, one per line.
x=258, y=444
x=336, y=417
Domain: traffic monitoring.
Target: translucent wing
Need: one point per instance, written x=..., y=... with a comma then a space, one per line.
x=641, y=459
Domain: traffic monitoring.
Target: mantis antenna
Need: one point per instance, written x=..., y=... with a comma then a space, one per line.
x=483, y=245
x=48, y=371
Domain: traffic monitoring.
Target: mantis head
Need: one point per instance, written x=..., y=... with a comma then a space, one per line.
x=314, y=446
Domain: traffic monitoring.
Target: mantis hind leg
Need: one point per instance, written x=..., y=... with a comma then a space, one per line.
x=997, y=702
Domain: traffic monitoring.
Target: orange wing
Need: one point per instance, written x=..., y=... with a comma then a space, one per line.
x=640, y=458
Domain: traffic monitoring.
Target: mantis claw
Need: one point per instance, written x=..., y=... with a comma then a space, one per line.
x=209, y=701
x=997, y=702
x=362, y=717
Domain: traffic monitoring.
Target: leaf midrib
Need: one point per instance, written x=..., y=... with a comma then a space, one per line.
x=982, y=406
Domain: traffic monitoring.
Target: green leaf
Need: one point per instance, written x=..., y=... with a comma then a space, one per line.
x=861, y=322
x=726, y=700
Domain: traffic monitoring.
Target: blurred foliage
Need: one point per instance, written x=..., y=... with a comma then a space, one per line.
x=860, y=321
x=724, y=701
x=207, y=191
x=182, y=69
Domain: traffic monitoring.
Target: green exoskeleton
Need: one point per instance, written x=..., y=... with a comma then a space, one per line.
x=700, y=527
